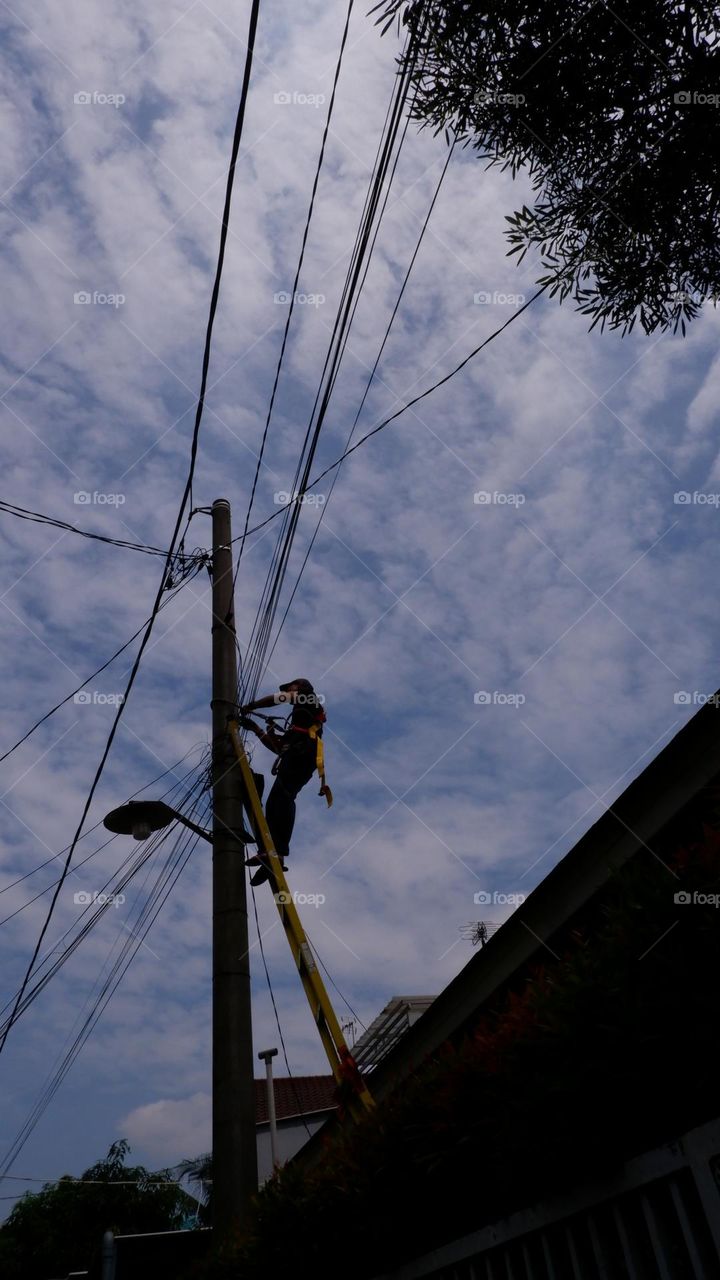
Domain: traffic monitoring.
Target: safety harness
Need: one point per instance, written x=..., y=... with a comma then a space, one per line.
x=314, y=732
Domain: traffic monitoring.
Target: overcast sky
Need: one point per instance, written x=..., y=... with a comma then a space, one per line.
x=496, y=670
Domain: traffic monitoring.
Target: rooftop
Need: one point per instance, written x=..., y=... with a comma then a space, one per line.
x=295, y=1096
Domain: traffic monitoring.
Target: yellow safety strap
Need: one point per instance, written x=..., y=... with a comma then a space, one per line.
x=320, y=764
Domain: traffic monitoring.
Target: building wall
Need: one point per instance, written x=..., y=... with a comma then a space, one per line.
x=291, y=1136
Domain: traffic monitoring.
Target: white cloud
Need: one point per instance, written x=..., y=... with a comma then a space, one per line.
x=169, y=1130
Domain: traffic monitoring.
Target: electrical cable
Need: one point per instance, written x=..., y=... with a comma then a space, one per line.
x=88, y=1182
x=306, y=231
x=108, y=991
x=368, y=384
x=137, y=860
x=90, y=830
x=298, y=1104
x=165, y=796
x=330, y=978
x=187, y=497
x=146, y=861
x=354, y=281
x=37, y=517
x=99, y=671
x=120, y=882
x=403, y=409
x=169, y=875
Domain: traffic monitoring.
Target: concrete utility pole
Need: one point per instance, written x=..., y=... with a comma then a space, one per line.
x=233, y=1120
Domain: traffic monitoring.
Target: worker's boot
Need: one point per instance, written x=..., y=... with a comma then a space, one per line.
x=264, y=872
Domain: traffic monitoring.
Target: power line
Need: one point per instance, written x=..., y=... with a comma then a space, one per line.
x=94, y=675
x=90, y=830
x=169, y=874
x=137, y=859
x=403, y=409
x=260, y=631
x=37, y=517
x=90, y=1182
x=356, y=276
x=330, y=979
x=298, y=269
x=187, y=496
x=298, y=1104
x=354, y=281
x=165, y=796
x=140, y=859
x=368, y=384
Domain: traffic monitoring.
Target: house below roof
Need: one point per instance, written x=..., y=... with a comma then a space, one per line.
x=302, y=1105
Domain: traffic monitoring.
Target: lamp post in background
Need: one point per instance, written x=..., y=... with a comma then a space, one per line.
x=266, y=1056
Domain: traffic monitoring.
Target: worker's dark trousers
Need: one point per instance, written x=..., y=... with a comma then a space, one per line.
x=295, y=769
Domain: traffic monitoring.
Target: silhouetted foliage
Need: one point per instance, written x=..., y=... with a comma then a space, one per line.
x=60, y=1228
x=614, y=111
x=199, y=1172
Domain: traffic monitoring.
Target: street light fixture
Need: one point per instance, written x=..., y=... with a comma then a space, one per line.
x=139, y=818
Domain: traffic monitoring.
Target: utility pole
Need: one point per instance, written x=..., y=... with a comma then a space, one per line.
x=233, y=1119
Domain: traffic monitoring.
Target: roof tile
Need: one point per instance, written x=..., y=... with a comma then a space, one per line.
x=296, y=1095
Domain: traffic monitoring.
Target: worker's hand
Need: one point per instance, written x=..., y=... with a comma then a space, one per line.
x=245, y=723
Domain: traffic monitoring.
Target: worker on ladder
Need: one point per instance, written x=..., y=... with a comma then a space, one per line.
x=299, y=751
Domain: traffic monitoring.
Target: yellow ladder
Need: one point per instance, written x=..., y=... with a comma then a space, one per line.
x=354, y=1092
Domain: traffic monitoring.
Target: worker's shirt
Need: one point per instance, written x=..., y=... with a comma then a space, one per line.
x=306, y=712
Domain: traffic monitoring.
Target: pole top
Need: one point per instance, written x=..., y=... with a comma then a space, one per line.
x=221, y=502
x=267, y=1054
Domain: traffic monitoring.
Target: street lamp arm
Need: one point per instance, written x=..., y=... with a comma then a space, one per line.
x=199, y=831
